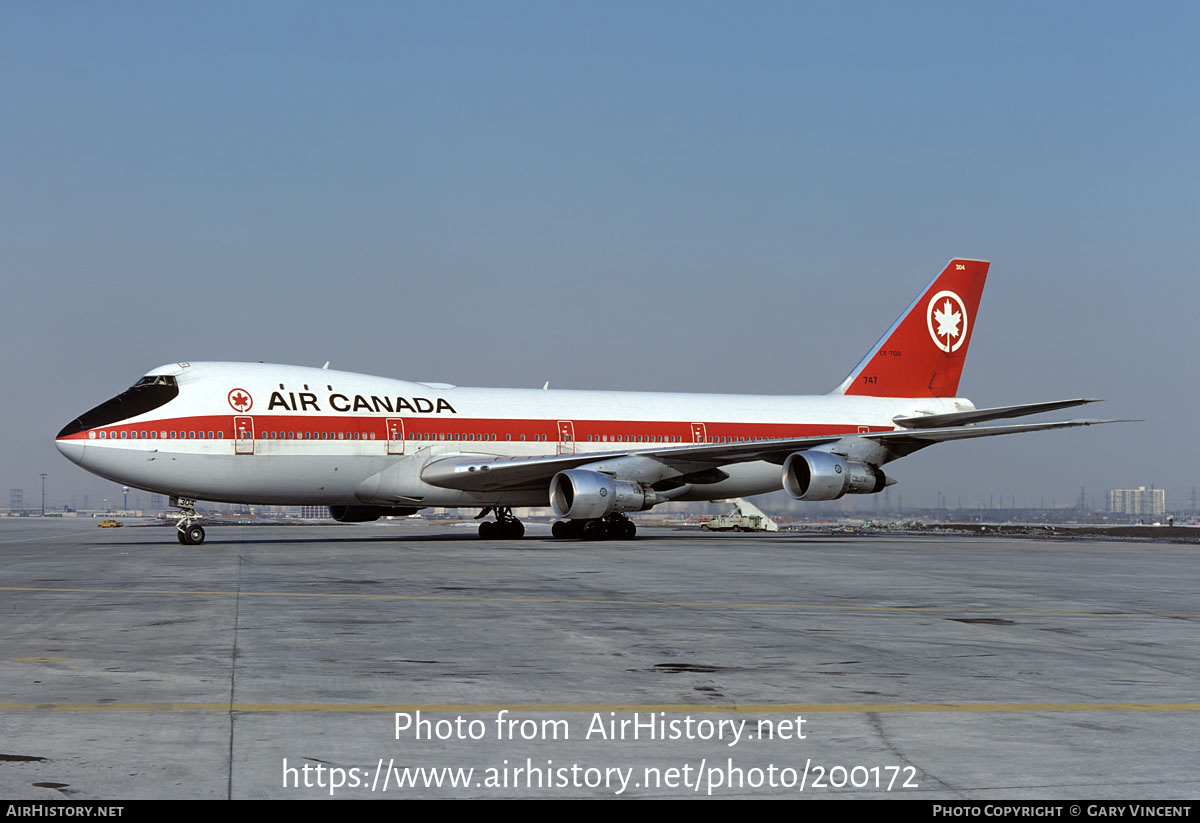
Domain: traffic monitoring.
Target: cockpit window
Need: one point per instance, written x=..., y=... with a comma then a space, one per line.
x=155, y=380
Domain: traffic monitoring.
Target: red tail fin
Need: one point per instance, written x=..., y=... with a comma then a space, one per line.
x=922, y=354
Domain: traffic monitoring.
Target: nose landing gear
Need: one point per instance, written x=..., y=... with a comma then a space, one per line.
x=188, y=530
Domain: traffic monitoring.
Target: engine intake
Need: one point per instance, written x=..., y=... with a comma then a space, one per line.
x=813, y=475
x=365, y=514
x=580, y=494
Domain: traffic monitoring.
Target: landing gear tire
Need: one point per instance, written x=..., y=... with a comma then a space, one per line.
x=504, y=527
x=568, y=529
x=613, y=527
x=192, y=536
x=595, y=530
x=620, y=527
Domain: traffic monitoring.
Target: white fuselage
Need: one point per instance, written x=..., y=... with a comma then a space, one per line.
x=261, y=433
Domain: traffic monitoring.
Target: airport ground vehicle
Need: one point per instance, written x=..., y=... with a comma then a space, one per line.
x=745, y=517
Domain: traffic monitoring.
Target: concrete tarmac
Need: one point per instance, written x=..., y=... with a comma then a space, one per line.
x=291, y=662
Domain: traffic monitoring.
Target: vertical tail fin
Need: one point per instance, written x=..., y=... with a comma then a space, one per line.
x=922, y=354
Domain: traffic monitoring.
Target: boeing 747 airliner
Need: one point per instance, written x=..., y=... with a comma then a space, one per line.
x=374, y=446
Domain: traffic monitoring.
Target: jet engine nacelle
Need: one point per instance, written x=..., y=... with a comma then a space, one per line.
x=813, y=475
x=365, y=514
x=580, y=494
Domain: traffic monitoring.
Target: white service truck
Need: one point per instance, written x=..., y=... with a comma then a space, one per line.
x=745, y=517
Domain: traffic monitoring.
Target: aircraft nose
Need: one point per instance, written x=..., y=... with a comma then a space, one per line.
x=72, y=450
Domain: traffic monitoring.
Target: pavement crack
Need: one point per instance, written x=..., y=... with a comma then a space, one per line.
x=886, y=739
x=237, y=603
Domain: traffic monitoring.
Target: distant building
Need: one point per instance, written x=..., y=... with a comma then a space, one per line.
x=1137, y=501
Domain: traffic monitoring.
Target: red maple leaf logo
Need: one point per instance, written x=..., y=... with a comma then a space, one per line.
x=240, y=400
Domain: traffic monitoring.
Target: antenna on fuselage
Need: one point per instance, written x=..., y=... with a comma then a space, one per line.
x=326, y=365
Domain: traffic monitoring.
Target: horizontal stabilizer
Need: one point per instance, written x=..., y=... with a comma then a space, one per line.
x=964, y=418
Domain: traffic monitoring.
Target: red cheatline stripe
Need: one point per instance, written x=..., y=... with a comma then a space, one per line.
x=445, y=427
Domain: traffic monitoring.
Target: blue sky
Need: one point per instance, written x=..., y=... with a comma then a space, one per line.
x=669, y=196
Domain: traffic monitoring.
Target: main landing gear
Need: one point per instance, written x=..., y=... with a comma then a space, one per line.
x=188, y=531
x=504, y=527
x=614, y=527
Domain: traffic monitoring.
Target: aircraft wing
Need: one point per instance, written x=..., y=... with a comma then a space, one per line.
x=489, y=473
x=934, y=421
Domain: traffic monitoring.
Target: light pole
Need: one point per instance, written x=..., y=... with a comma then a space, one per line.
x=43, y=494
